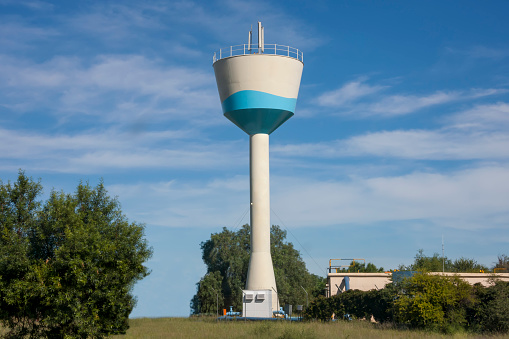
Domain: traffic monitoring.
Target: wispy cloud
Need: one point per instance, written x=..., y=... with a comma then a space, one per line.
x=467, y=199
x=482, y=117
x=177, y=203
x=474, y=199
x=110, y=150
x=347, y=93
x=407, y=144
x=404, y=104
x=15, y=35
x=366, y=100
x=111, y=87
x=31, y=4
x=479, y=133
x=430, y=145
x=482, y=52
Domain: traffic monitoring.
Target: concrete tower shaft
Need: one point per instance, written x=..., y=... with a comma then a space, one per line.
x=260, y=274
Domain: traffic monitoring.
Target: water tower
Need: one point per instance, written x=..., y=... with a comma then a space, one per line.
x=258, y=87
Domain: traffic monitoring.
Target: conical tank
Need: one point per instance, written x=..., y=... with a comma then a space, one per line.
x=258, y=92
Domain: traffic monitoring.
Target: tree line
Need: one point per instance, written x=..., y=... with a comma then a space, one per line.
x=436, y=263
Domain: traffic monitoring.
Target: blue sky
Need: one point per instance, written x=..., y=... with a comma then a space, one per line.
x=400, y=134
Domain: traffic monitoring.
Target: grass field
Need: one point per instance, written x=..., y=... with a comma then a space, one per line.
x=209, y=328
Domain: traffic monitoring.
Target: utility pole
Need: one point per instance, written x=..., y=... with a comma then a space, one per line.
x=217, y=303
x=307, y=299
x=443, y=257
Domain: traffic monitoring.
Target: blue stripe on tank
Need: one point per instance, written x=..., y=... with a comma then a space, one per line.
x=255, y=99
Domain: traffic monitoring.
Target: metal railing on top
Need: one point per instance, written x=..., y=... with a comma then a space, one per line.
x=271, y=49
x=337, y=268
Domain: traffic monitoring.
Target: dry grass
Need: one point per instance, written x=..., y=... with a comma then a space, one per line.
x=209, y=328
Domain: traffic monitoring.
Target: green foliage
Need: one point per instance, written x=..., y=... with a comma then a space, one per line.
x=67, y=267
x=424, y=263
x=226, y=255
x=290, y=270
x=209, y=296
x=323, y=308
x=503, y=263
x=319, y=286
x=464, y=265
x=491, y=312
x=357, y=267
x=354, y=304
x=433, y=301
x=427, y=301
x=436, y=263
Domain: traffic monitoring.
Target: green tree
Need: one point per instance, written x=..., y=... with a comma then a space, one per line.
x=355, y=304
x=492, y=311
x=434, y=263
x=502, y=263
x=358, y=267
x=464, y=265
x=68, y=266
x=226, y=255
x=209, y=297
x=433, y=301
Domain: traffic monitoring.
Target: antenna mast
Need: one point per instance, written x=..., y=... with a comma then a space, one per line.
x=250, y=40
x=443, y=257
x=260, y=38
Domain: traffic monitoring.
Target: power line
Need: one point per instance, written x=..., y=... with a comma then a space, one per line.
x=305, y=250
x=239, y=220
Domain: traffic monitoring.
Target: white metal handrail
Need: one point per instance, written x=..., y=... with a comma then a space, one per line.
x=271, y=49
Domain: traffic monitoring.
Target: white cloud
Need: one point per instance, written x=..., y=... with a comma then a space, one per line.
x=459, y=199
x=347, y=93
x=31, y=4
x=482, y=52
x=479, y=133
x=366, y=100
x=108, y=150
x=430, y=145
x=404, y=104
x=471, y=199
x=113, y=88
x=16, y=35
x=482, y=117
x=407, y=144
x=217, y=203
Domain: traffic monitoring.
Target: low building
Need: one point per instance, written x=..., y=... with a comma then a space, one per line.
x=343, y=281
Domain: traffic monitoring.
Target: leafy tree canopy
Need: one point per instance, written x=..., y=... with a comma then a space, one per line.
x=437, y=263
x=226, y=255
x=68, y=265
x=358, y=267
x=502, y=265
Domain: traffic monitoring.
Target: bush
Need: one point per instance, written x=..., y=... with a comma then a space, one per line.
x=433, y=302
x=491, y=313
x=67, y=266
x=354, y=304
